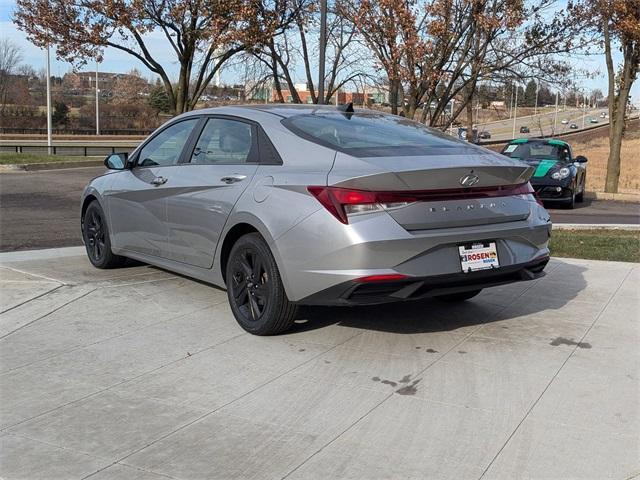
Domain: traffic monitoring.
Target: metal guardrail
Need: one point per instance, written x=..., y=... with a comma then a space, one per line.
x=76, y=131
x=68, y=150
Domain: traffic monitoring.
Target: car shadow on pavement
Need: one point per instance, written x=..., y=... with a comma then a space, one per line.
x=562, y=208
x=551, y=293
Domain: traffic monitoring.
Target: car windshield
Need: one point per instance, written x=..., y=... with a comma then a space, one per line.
x=535, y=151
x=371, y=134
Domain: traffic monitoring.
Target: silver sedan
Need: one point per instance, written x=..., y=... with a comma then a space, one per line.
x=287, y=205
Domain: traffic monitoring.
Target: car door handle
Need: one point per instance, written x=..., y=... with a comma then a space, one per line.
x=233, y=178
x=159, y=181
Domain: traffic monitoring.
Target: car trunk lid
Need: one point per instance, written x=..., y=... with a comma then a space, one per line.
x=455, y=190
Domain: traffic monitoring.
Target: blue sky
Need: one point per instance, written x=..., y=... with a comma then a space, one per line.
x=116, y=61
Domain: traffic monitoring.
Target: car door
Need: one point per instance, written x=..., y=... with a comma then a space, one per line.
x=219, y=167
x=137, y=201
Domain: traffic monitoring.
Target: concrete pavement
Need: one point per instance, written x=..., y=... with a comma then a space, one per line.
x=138, y=373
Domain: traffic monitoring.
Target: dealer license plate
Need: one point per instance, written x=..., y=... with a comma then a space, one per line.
x=478, y=256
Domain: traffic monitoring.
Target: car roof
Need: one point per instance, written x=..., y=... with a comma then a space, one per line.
x=282, y=110
x=549, y=141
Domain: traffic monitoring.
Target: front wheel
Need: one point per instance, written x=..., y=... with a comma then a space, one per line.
x=95, y=234
x=571, y=202
x=458, y=297
x=580, y=196
x=254, y=288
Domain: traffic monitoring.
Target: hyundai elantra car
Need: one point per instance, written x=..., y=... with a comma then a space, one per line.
x=288, y=205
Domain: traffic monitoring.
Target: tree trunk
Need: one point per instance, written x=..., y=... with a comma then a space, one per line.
x=470, y=120
x=394, y=86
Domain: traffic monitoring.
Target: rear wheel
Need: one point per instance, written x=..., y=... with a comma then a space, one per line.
x=458, y=297
x=255, y=290
x=580, y=196
x=96, y=238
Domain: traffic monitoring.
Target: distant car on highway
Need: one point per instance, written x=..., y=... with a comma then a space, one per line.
x=484, y=135
x=573, y=126
x=564, y=121
x=524, y=129
x=593, y=120
x=603, y=115
x=559, y=176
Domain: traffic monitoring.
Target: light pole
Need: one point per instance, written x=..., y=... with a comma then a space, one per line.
x=323, y=44
x=49, y=142
x=515, y=113
x=97, y=102
x=555, y=117
x=584, y=110
x=535, y=109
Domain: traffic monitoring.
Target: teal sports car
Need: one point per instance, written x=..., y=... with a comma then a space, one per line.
x=559, y=176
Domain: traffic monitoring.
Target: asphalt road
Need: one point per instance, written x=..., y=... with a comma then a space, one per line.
x=41, y=209
x=543, y=124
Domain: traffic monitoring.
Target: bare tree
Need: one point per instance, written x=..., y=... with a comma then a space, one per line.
x=202, y=34
x=10, y=59
x=618, y=21
x=284, y=57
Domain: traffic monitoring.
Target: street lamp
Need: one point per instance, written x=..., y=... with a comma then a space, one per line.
x=49, y=142
x=515, y=112
x=97, y=102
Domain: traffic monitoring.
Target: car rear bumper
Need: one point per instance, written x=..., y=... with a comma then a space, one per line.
x=415, y=288
x=321, y=253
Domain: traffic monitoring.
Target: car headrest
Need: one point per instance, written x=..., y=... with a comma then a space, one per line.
x=236, y=139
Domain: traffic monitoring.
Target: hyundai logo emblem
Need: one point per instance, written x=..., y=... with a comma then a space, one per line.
x=469, y=180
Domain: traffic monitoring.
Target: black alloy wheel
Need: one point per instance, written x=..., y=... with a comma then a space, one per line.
x=250, y=284
x=254, y=288
x=95, y=234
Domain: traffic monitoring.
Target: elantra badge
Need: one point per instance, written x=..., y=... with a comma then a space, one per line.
x=469, y=180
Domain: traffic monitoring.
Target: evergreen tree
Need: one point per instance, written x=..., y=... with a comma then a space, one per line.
x=530, y=94
x=60, y=114
x=159, y=100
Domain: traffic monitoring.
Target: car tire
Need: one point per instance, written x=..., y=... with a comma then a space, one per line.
x=95, y=233
x=458, y=297
x=254, y=288
x=571, y=202
x=580, y=196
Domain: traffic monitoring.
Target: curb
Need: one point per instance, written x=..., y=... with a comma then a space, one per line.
x=618, y=197
x=28, y=167
x=594, y=226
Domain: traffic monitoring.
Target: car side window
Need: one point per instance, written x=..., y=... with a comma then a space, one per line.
x=165, y=148
x=224, y=141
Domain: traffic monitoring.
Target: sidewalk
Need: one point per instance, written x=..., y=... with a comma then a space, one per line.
x=138, y=373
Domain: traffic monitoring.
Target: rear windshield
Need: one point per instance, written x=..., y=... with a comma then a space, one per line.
x=537, y=151
x=372, y=135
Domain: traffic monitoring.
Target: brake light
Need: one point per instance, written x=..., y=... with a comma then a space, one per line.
x=342, y=202
x=389, y=277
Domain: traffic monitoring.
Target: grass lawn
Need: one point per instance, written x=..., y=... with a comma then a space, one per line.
x=22, y=158
x=617, y=245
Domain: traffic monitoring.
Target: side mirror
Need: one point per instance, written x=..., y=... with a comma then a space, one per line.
x=116, y=161
x=581, y=159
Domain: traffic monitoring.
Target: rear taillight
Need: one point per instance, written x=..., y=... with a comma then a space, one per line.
x=342, y=202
